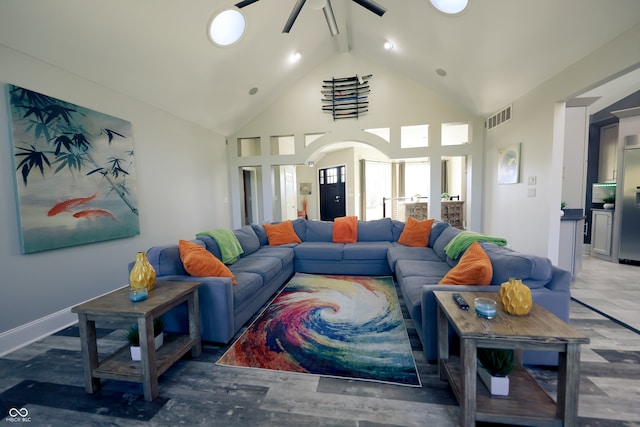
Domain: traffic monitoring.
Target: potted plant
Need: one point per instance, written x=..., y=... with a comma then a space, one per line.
x=609, y=202
x=444, y=196
x=495, y=366
x=133, y=337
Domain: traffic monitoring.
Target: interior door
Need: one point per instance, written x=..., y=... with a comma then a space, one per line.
x=332, y=192
x=290, y=197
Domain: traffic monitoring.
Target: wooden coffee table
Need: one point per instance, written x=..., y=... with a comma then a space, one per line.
x=116, y=306
x=527, y=403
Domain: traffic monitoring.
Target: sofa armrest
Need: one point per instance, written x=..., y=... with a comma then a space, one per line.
x=560, y=280
x=215, y=300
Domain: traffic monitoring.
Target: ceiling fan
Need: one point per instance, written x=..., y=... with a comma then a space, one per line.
x=325, y=5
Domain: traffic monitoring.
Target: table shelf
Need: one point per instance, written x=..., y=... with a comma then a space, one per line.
x=119, y=365
x=527, y=403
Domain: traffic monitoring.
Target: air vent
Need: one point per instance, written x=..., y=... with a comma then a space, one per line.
x=499, y=118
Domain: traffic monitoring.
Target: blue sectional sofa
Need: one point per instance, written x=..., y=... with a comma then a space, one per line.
x=263, y=269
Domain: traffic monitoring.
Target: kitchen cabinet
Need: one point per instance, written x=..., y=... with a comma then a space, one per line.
x=608, y=162
x=601, y=232
x=571, y=238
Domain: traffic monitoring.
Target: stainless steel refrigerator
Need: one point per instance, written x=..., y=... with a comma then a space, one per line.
x=630, y=214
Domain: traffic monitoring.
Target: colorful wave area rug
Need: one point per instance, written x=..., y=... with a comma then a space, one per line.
x=337, y=326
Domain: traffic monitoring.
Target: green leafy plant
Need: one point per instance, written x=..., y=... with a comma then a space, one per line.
x=133, y=335
x=444, y=196
x=609, y=199
x=498, y=362
x=563, y=205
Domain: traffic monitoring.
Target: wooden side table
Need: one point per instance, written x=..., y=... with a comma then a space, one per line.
x=116, y=306
x=527, y=403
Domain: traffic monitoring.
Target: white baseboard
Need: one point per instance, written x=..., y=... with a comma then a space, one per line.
x=16, y=338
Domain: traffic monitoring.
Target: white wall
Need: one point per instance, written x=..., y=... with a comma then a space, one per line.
x=532, y=224
x=182, y=187
x=394, y=101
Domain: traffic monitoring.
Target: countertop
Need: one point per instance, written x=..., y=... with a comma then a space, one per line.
x=573, y=215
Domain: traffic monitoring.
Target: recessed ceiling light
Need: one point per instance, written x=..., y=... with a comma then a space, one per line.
x=450, y=7
x=441, y=72
x=388, y=45
x=295, y=57
x=226, y=27
x=253, y=91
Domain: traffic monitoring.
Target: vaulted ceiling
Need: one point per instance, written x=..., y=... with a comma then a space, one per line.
x=157, y=51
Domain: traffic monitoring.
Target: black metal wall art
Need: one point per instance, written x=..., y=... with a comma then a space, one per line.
x=346, y=97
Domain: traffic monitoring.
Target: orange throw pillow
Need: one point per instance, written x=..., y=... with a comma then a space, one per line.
x=345, y=229
x=474, y=268
x=416, y=233
x=200, y=262
x=281, y=234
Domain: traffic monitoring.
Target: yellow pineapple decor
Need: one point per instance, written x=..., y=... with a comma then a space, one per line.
x=516, y=297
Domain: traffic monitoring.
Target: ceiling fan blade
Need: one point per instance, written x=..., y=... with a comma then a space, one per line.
x=294, y=14
x=244, y=3
x=372, y=6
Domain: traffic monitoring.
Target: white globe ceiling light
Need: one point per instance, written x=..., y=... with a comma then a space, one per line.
x=450, y=7
x=226, y=27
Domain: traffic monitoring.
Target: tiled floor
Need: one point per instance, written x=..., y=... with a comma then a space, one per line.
x=46, y=379
x=611, y=288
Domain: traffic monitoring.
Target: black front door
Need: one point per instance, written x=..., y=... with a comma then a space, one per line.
x=332, y=185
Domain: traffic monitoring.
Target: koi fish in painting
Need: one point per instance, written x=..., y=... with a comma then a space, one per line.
x=94, y=213
x=67, y=205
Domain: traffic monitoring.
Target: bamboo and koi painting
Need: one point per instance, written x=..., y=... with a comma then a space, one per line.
x=75, y=173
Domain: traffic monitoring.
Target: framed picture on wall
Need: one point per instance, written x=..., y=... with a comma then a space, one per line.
x=305, y=188
x=509, y=164
x=74, y=173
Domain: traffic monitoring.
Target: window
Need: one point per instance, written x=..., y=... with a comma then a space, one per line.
x=248, y=147
x=455, y=133
x=414, y=136
x=311, y=137
x=384, y=133
x=283, y=145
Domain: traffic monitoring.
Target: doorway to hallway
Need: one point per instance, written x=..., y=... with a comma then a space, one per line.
x=332, y=192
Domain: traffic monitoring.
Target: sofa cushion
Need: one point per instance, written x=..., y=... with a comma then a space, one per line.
x=284, y=253
x=397, y=252
x=248, y=239
x=198, y=261
x=261, y=233
x=534, y=271
x=474, y=268
x=376, y=230
x=445, y=237
x=166, y=260
x=319, y=231
x=300, y=227
x=345, y=229
x=430, y=272
x=211, y=245
x=281, y=233
x=248, y=286
x=366, y=250
x=436, y=229
x=396, y=229
x=319, y=250
x=267, y=267
x=416, y=233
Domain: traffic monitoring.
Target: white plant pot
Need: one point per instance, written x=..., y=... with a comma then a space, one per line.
x=609, y=205
x=498, y=386
x=135, y=350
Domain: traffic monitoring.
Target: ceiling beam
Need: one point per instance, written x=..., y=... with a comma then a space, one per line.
x=343, y=40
